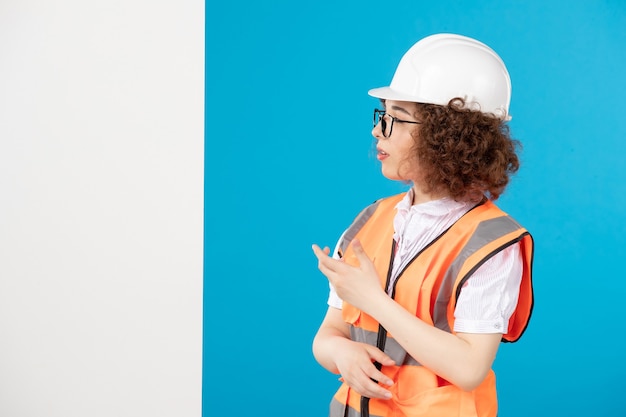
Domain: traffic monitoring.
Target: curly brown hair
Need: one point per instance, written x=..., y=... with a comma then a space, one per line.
x=466, y=154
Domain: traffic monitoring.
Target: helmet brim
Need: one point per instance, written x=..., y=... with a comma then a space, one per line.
x=387, y=93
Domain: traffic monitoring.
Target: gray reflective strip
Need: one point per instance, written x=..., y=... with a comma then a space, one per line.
x=336, y=408
x=486, y=232
x=357, y=225
x=411, y=361
x=339, y=410
x=392, y=347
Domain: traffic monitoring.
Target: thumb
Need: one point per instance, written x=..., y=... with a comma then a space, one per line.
x=359, y=252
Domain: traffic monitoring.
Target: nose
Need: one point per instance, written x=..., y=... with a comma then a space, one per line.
x=377, y=131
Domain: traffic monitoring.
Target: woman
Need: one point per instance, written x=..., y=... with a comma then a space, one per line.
x=426, y=284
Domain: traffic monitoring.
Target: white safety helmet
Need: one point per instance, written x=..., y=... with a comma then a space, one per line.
x=444, y=66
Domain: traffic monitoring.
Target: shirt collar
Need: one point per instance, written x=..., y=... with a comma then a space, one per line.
x=438, y=207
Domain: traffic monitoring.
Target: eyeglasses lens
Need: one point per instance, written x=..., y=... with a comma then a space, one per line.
x=383, y=125
x=379, y=117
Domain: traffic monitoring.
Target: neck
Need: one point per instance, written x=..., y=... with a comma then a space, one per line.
x=420, y=196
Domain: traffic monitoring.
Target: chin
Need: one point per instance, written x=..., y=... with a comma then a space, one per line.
x=392, y=174
x=393, y=177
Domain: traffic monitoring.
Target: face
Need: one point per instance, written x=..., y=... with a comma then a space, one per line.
x=395, y=152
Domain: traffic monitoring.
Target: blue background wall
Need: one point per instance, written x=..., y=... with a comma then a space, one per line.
x=288, y=163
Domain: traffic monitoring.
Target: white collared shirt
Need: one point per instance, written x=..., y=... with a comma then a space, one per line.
x=489, y=297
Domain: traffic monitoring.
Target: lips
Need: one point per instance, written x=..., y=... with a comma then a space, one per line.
x=381, y=154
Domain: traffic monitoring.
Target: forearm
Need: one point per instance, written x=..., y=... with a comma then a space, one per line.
x=325, y=343
x=332, y=334
x=462, y=359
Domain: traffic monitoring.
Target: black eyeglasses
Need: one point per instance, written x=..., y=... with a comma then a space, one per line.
x=380, y=116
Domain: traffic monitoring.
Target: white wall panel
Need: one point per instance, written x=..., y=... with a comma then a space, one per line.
x=101, y=205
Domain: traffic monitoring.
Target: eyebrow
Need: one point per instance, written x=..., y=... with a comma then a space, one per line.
x=402, y=110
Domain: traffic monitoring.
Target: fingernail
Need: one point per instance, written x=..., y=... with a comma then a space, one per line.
x=388, y=395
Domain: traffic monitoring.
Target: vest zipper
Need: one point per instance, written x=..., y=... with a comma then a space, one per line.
x=382, y=332
x=381, y=338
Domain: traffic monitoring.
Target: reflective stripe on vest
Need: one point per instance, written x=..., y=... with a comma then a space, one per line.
x=356, y=225
x=487, y=231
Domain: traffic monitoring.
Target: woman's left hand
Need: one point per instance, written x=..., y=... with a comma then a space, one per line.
x=357, y=285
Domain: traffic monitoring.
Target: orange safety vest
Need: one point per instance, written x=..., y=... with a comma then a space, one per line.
x=430, y=286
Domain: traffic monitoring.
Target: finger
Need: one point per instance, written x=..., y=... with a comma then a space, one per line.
x=327, y=262
x=366, y=386
x=359, y=252
x=316, y=249
x=380, y=356
x=320, y=254
x=378, y=376
x=319, y=251
x=371, y=389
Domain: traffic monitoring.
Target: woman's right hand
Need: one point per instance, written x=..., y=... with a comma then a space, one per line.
x=335, y=351
x=355, y=363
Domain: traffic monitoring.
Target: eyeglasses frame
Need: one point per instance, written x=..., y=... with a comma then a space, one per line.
x=379, y=117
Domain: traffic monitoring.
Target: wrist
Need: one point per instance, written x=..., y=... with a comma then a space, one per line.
x=377, y=303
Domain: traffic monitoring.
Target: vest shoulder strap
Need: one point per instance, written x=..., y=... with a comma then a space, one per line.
x=362, y=218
